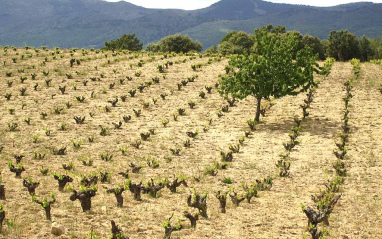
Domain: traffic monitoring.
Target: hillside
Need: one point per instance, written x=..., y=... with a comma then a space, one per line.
x=81, y=122
x=89, y=23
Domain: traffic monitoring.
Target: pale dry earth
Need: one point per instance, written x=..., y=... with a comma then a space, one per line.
x=274, y=214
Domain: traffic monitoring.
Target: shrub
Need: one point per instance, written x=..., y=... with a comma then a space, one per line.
x=236, y=43
x=199, y=202
x=343, y=45
x=45, y=204
x=176, y=43
x=125, y=42
x=169, y=228
x=227, y=181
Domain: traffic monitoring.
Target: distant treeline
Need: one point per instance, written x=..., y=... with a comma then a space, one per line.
x=341, y=45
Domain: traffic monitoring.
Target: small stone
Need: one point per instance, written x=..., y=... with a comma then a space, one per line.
x=57, y=229
x=103, y=209
x=140, y=228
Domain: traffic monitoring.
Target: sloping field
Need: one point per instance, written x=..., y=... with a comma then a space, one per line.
x=275, y=213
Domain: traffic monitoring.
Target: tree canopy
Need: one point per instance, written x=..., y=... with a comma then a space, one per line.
x=175, y=43
x=211, y=50
x=279, y=69
x=316, y=45
x=343, y=45
x=376, y=48
x=125, y=42
x=154, y=47
x=365, y=50
x=236, y=43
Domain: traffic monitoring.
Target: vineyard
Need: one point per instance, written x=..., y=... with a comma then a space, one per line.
x=143, y=143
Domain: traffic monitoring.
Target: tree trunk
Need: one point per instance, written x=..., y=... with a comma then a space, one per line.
x=167, y=232
x=257, y=118
x=2, y=216
x=2, y=192
x=137, y=194
x=119, y=200
x=172, y=188
x=18, y=173
x=192, y=218
x=222, y=205
x=326, y=221
x=61, y=185
x=86, y=204
x=203, y=211
x=47, y=213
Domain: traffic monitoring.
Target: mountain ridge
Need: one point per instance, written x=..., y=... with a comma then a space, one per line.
x=89, y=23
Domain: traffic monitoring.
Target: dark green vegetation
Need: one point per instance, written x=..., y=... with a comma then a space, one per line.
x=236, y=43
x=281, y=68
x=125, y=42
x=175, y=43
x=90, y=23
x=342, y=45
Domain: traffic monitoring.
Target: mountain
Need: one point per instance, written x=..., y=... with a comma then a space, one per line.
x=89, y=23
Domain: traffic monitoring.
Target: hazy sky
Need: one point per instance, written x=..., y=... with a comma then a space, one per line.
x=196, y=4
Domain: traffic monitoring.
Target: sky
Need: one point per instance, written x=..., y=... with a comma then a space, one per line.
x=197, y=4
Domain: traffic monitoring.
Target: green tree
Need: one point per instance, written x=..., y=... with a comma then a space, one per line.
x=271, y=29
x=299, y=38
x=211, y=50
x=315, y=44
x=325, y=47
x=343, y=45
x=125, y=42
x=236, y=43
x=277, y=70
x=365, y=50
x=376, y=46
x=179, y=43
x=279, y=32
x=153, y=47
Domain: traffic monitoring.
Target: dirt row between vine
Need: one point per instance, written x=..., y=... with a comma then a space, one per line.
x=275, y=214
x=358, y=214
